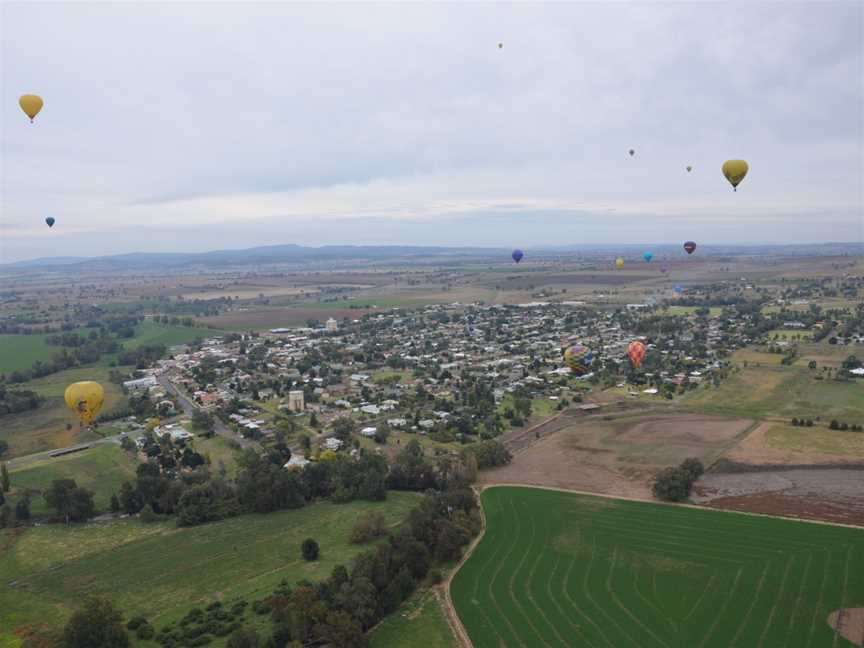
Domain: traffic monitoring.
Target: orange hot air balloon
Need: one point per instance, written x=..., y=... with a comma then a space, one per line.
x=636, y=351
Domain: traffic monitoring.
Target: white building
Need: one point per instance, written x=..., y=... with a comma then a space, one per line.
x=297, y=462
x=141, y=384
x=369, y=431
x=332, y=443
x=296, y=402
x=331, y=325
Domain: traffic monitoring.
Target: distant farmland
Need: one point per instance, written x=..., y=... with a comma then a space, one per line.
x=267, y=318
x=558, y=569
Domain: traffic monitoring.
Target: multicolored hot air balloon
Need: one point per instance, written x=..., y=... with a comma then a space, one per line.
x=517, y=255
x=735, y=170
x=50, y=221
x=690, y=247
x=648, y=256
x=85, y=400
x=619, y=263
x=636, y=352
x=578, y=358
x=31, y=105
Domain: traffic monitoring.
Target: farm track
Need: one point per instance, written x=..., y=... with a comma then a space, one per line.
x=784, y=591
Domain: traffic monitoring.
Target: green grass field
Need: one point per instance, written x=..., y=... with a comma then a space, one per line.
x=713, y=311
x=557, y=569
x=101, y=469
x=819, y=438
x=781, y=391
x=162, y=571
x=419, y=621
x=148, y=332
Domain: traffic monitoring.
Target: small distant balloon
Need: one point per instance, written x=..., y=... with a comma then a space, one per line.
x=636, y=352
x=517, y=255
x=678, y=288
x=632, y=152
x=664, y=268
x=619, y=263
x=50, y=221
x=578, y=358
x=735, y=170
x=500, y=45
x=648, y=256
x=690, y=247
x=689, y=168
x=31, y=105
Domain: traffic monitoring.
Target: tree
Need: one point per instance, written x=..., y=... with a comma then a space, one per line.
x=130, y=500
x=244, y=638
x=59, y=496
x=22, y=509
x=115, y=503
x=4, y=478
x=202, y=420
x=811, y=365
x=4, y=447
x=98, y=624
x=309, y=549
x=672, y=484
x=368, y=525
x=693, y=467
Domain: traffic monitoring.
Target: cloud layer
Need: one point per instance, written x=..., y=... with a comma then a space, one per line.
x=199, y=125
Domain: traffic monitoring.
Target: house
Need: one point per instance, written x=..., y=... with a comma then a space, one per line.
x=371, y=409
x=332, y=443
x=360, y=377
x=175, y=431
x=397, y=422
x=296, y=462
x=296, y=401
x=369, y=431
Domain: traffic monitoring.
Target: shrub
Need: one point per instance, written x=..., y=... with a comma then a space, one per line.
x=672, y=484
x=145, y=631
x=203, y=640
x=368, y=526
x=693, y=467
x=135, y=622
x=309, y=549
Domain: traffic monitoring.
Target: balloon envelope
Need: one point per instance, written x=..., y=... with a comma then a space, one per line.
x=636, y=352
x=632, y=152
x=689, y=169
x=678, y=289
x=517, y=255
x=85, y=400
x=50, y=221
x=648, y=256
x=690, y=247
x=31, y=105
x=619, y=263
x=578, y=358
x=735, y=170
x=664, y=268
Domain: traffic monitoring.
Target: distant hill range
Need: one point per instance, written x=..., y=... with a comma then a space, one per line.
x=344, y=254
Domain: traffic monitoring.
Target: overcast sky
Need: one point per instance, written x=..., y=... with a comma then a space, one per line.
x=196, y=126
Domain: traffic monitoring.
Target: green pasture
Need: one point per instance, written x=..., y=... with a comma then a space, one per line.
x=713, y=311
x=101, y=469
x=420, y=621
x=790, y=334
x=557, y=569
x=819, y=438
x=781, y=391
x=162, y=571
x=150, y=332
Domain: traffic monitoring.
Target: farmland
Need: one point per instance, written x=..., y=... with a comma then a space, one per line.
x=560, y=569
x=161, y=571
x=418, y=622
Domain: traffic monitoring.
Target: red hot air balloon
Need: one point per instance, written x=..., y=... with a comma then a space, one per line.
x=690, y=247
x=636, y=351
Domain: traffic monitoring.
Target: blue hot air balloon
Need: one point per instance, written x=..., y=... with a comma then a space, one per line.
x=678, y=288
x=517, y=255
x=648, y=256
x=50, y=221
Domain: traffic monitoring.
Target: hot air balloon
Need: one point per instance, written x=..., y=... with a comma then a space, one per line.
x=31, y=105
x=636, y=352
x=619, y=263
x=735, y=170
x=690, y=247
x=50, y=221
x=632, y=152
x=678, y=288
x=578, y=358
x=500, y=45
x=517, y=255
x=648, y=256
x=664, y=268
x=85, y=399
x=689, y=168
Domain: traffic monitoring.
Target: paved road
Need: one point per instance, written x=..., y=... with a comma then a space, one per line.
x=189, y=406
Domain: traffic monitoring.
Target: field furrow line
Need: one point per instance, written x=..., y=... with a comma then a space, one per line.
x=779, y=596
x=648, y=602
x=559, y=609
x=701, y=596
x=801, y=588
x=755, y=597
x=573, y=603
x=843, y=591
x=623, y=607
x=587, y=590
x=818, y=606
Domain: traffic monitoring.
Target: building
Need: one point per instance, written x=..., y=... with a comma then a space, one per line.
x=331, y=325
x=296, y=462
x=141, y=384
x=369, y=431
x=332, y=443
x=296, y=401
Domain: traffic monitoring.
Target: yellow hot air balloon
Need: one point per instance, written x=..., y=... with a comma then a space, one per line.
x=85, y=399
x=619, y=263
x=31, y=105
x=735, y=170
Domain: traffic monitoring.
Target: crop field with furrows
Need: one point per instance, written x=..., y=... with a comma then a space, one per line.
x=559, y=569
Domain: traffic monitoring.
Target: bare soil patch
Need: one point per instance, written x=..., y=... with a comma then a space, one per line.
x=849, y=624
x=828, y=494
x=688, y=430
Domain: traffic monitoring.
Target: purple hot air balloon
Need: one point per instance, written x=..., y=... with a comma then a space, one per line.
x=689, y=247
x=517, y=255
x=664, y=268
